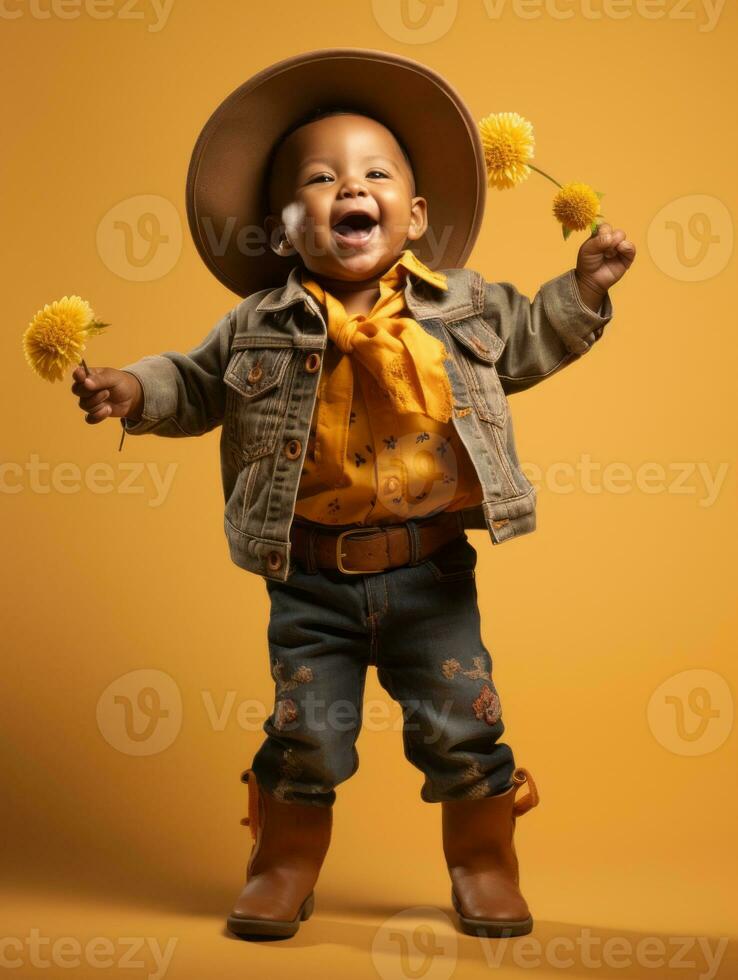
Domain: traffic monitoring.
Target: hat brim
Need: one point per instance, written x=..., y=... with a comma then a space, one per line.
x=225, y=205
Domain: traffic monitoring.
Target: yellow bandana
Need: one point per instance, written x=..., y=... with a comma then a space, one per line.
x=405, y=361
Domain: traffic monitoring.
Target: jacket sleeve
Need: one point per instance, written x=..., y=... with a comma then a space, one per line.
x=544, y=334
x=184, y=394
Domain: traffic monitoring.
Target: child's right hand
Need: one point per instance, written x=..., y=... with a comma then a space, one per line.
x=108, y=393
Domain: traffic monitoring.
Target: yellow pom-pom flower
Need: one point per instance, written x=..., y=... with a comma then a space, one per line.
x=56, y=336
x=576, y=206
x=508, y=143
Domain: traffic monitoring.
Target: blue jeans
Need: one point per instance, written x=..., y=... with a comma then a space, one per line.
x=419, y=625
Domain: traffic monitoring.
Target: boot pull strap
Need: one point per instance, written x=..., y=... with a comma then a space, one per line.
x=252, y=820
x=532, y=799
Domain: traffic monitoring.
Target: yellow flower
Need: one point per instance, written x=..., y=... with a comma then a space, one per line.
x=576, y=206
x=508, y=144
x=55, y=337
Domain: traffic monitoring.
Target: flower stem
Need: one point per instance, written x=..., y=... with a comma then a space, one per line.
x=84, y=365
x=543, y=174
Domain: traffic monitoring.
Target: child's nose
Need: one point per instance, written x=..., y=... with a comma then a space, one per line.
x=353, y=187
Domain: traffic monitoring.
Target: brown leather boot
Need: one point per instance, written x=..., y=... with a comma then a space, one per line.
x=290, y=841
x=480, y=854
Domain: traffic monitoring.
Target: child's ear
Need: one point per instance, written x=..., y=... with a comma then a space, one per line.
x=277, y=236
x=418, y=219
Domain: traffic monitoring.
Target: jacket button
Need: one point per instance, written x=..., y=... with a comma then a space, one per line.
x=293, y=449
x=254, y=374
x=274, y=561
x=312, y=362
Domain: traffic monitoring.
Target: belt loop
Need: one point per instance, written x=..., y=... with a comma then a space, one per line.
x=414, y=536
x=311, y=565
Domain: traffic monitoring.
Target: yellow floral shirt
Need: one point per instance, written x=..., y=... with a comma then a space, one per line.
x=397, y=465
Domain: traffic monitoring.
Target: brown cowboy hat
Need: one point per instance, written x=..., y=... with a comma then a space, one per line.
x=226, y=205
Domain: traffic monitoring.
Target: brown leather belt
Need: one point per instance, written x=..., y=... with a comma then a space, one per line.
x=372, y=548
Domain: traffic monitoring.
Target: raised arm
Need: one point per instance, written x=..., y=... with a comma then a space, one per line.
x=566, y=316
x=544, y=334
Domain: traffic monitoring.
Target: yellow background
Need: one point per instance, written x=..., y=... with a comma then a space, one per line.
x=614, y=593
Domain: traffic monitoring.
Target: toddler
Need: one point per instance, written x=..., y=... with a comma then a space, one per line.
x=361, y=386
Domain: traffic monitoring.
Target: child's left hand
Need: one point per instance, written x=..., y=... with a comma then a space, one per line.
x=604, y=258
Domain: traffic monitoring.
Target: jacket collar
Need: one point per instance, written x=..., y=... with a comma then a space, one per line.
x=416, y=297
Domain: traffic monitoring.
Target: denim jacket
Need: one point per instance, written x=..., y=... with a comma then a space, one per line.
x=257, y=372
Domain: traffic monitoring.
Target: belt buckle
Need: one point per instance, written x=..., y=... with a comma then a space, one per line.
x=340, y=554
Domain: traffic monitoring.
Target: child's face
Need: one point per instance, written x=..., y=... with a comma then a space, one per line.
x=340, y=164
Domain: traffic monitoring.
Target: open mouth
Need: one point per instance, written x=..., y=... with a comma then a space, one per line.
x=355, y=229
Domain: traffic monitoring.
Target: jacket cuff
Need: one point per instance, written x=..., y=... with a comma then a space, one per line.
x=578, y=326
x=158, y=378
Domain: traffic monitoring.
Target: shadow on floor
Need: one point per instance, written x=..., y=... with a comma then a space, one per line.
x=553, y=949
x=401, y=929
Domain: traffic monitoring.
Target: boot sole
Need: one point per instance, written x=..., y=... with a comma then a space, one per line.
x=492, y=928
x=246, y=928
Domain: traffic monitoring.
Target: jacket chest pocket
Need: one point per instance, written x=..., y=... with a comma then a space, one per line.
x=478, y=348
x=256, y=397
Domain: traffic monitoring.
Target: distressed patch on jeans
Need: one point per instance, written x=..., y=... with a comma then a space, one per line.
x=302, y=675
x=284, y=713
x=487, y=706
x=451, y=667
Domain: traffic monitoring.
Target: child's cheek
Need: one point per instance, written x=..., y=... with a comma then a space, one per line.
x=396, y=208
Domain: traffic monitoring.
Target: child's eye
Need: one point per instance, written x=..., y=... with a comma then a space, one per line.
x=379, y=173
x=319, y=177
